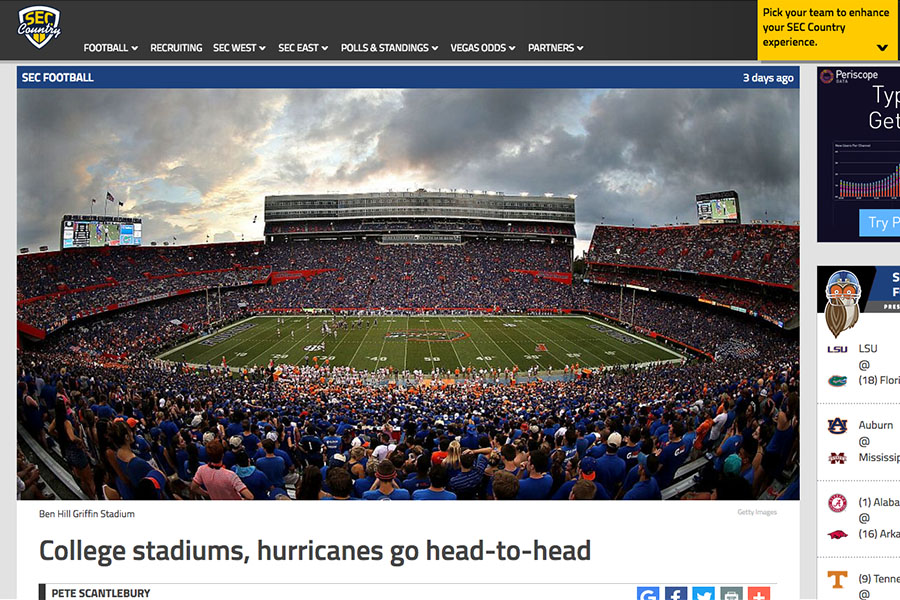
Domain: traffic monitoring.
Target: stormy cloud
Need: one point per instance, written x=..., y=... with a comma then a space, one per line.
x=194, y=163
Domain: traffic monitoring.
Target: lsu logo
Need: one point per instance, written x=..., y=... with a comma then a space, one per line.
x=39, y=24
x=842, y=310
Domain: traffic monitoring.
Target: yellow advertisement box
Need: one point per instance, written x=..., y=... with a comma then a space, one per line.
x=817, y=30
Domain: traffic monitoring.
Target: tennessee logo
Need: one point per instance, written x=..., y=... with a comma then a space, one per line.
x=837, y=426
x=837, y=381
x=837, y=534
x=39, y=24
x=540, y=348
x=837, y=458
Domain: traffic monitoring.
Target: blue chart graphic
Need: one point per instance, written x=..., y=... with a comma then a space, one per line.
x=867, y=170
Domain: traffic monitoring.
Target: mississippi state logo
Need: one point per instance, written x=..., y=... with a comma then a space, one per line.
x=837, y=503
x=837, y=426
x=842, y=310
x=837, y=458
x=39, y=24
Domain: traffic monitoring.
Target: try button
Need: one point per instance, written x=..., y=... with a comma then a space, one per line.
x=879, y=222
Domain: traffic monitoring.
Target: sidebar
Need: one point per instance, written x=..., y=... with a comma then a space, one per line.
x=858, y=390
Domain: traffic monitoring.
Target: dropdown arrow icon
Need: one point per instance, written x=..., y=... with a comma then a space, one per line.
x=882, y=47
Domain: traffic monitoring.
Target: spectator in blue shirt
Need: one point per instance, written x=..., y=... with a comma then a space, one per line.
x=387, y=488
x=340, y=483
x=505, y=485
x=646, y=488
x=438, y=477
x=467, y=483
x=611, y=468
x=273, y=466
x=537, y=485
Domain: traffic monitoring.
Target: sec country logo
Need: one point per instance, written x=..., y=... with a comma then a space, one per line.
x=842, y=310
x=837, y=426
x=837, y=380
x=39, y=24
x=837, y=503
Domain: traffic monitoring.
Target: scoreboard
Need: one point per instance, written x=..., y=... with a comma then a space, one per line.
x=88, y=232
x=718, y=207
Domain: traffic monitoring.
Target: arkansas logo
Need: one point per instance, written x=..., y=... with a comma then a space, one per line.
x=429, y=335
x=39, y=24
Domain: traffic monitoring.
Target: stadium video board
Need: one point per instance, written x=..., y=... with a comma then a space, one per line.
x=90, y=232
x=718, y=207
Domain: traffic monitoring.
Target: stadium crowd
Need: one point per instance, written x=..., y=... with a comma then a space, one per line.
x=774, y=302
x=170, y=432
x=768, y=253
x=128, y=426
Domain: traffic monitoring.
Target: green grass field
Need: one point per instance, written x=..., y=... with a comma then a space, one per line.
x=423, y=342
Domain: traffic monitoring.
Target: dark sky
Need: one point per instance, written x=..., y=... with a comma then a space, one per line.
x=194, y=163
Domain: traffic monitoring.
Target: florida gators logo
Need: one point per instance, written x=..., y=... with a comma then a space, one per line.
x=427, y=335
x=39, y=24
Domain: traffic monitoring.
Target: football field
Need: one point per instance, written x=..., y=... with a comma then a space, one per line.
x=424, y=342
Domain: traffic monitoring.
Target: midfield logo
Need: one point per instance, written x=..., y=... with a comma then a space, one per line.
x=837, y=459
x=427, y=335
x=837, y=426
x=39, y=24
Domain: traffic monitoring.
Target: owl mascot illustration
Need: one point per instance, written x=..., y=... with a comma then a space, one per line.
x=842, y=310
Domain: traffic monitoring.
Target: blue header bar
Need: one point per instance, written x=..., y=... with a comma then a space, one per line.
x=386, y=77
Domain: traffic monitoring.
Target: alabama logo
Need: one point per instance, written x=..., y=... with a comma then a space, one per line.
x=842, y=310
x=39, y=24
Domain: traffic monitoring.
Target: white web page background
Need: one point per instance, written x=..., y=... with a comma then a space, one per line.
x=631, y=544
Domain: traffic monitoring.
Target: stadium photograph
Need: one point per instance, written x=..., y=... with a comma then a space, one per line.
x=408, y=294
